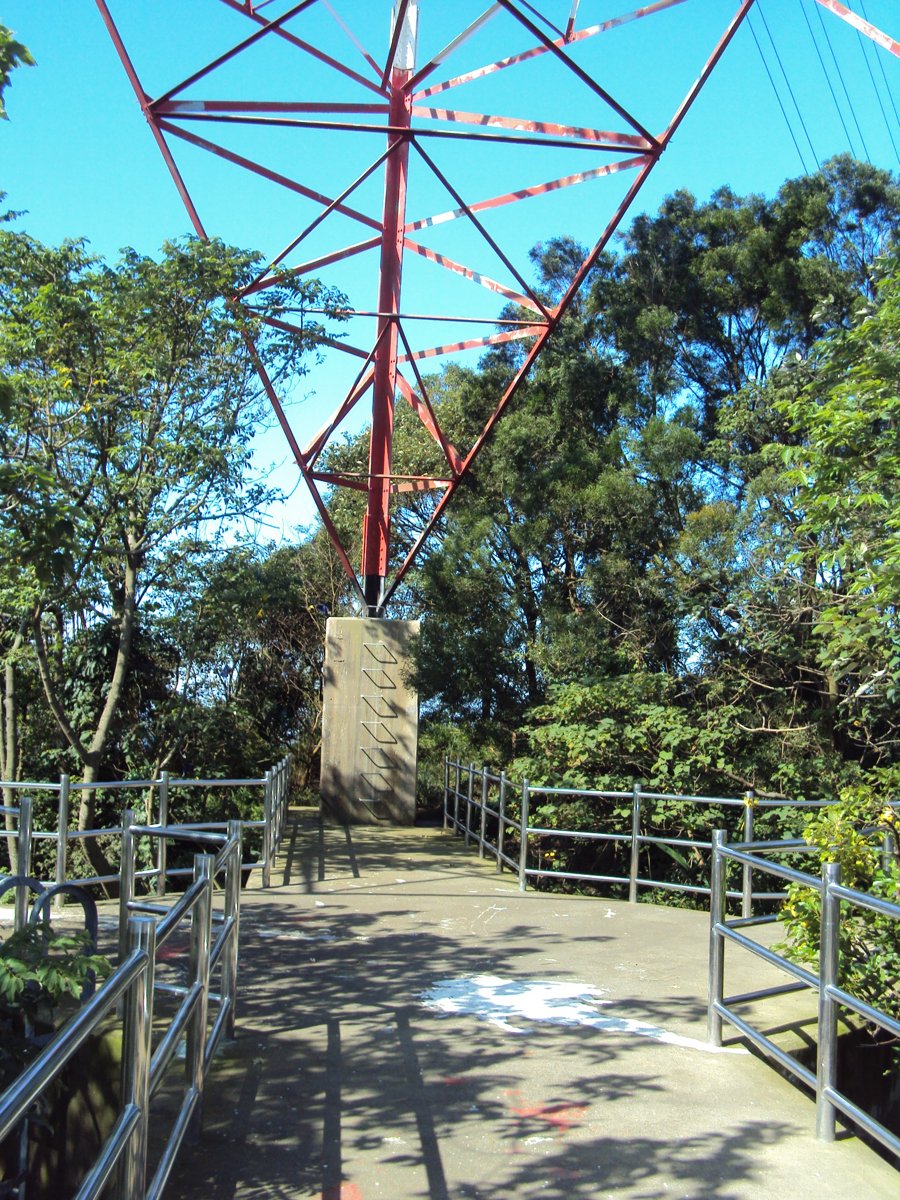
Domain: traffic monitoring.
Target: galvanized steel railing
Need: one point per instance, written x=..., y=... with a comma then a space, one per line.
x=274, y=785
x=133, y=989
x=826, y=981
x=476, y=805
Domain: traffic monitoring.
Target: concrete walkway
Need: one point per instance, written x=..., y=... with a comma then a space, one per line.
x=383, y=1051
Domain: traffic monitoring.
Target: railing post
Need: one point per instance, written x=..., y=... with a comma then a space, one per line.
x=126, y=880
x=446, y=792
x=62, y=839
x=469, y=801
x=716, y=941
x=267, y=831
x=829, y=969
x=484, y=798
x=502, y=821
x=232, y=919
x=201, y=942
x=747, y=889
x=162, y=848
x=283, y=798
x=278, y=783
x=140, y=935
x=523, y=839
x=26, y=830
x=456, y=798
x=635, y=843
x=888, y=851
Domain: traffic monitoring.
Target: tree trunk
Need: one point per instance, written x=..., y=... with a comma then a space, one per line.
x=92, y=755
x=9, y=747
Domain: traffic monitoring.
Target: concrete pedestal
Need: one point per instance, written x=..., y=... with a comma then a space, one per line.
x=370, y=721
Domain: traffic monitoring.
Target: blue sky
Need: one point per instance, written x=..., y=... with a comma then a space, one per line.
x=78, y=156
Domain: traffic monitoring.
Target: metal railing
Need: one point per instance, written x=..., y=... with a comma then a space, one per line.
x=477, y=805
x=826, y=981
x=158, y=803
x=133, y=990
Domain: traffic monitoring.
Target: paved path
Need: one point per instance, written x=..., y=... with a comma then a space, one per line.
x=344, y=1084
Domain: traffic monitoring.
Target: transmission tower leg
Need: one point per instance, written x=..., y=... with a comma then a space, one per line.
x=376, y=526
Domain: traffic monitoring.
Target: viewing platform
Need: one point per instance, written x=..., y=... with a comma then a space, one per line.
x=410, y=1025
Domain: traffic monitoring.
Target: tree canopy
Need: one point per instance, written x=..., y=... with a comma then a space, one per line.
x=679, y=540
x=676, y=560
x=12, y=55
x=129, y=409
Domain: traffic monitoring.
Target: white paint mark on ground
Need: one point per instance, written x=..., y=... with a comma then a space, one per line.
x=503, y=1001
x=295, y=935
x=487, y=914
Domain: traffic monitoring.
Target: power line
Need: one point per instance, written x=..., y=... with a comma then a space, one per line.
x=787, y=81
x=778, y=97
x=827, y=76
x=880, y=61
x=843, y=85
x=866, y=59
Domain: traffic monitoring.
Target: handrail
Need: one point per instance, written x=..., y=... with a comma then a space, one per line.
x=275, y=784
x=825, y=981
x=473, y=797
x=134, y=983
x=122, y=1161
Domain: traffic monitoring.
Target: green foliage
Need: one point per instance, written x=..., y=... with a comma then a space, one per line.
x=852, y=834
x=845, y=470
x=129, y=405
x=40, y=970
x=39, y=966
x=12, y=54
x=634, y=585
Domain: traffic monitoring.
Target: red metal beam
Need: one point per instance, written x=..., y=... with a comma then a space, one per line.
x=377, y=522
x=526, y=193
x=267, y=28
x=576, y=284
x=514, y=60
x=865, y=27
x=293, y=185
x=313, y=51
x=403, y=121
x=307, y=474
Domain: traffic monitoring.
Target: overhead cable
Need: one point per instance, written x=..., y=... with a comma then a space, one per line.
x=866, y=57
x=787, y=82
x=880, y=61
x=778, y=96
x=827, y=78
x=843, y=85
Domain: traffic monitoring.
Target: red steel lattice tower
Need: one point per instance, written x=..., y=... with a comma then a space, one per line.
x=395, y=101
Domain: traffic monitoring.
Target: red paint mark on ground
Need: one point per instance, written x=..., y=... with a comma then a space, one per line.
x=453, y=1080
x=343, y=1191
x=560, y=1116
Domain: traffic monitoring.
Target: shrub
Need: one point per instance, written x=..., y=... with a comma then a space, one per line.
x=852, y=833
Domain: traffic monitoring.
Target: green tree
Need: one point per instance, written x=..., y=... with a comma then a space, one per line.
x=12, y=55
x=127, y=449
x=845, y=469
x=250, y=646
x=630, y=524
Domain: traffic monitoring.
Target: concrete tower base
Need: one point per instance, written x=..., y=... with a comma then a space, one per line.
x=370, y=722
